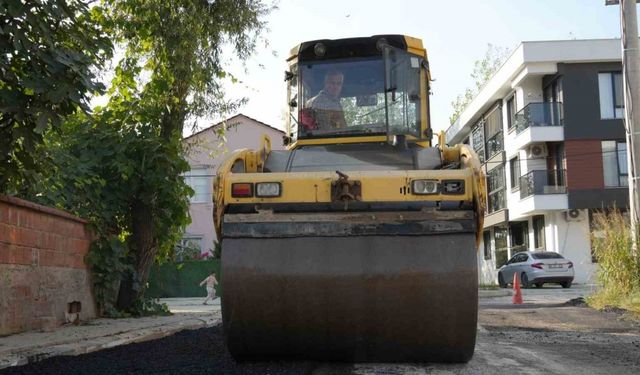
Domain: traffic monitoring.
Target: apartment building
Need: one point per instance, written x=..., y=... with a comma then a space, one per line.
x=548, y=127
x=206, y=151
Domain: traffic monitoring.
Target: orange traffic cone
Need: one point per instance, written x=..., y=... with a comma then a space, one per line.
x=517, y=293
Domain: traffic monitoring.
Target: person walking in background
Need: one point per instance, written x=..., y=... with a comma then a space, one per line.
x=210, y=282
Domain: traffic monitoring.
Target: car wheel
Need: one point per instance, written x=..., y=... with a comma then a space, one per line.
x=566, y=284
x=524, y=280
x=501, y=282
x=539, y=285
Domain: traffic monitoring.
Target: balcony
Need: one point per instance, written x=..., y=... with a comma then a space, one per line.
x=543, y=183
x=538, y=115
x=536, y=123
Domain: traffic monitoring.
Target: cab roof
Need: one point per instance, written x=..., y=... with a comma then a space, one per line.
x=352, y=47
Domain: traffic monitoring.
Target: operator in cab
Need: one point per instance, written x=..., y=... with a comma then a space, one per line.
x=326, y=108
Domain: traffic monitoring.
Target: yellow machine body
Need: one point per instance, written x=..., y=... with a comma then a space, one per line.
x=357, y=243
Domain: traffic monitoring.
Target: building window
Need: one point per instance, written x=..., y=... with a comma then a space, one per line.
x=538, y=232
x=486, y=236
x=495, y=189
x=199, y=181
x=493, y=132
x=501, y=245
x=614, y=163
x=477, y=138
x=511, y=112
x=552, y=93
x=519, y=236
x=611, y=97
x=514, y=173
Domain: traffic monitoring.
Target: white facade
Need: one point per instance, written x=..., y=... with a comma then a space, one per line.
x=516, y=225
x=207, y=150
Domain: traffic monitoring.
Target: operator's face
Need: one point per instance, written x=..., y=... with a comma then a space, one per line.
x=333, y=84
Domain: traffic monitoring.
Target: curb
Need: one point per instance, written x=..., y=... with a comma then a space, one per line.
x=492, y=293
x=105, y=342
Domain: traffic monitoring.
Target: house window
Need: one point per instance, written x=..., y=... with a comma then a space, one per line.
x=519, y=236
x=538, y=231
x=611, y=97
x=493, y=132
x=495, y=189
x=501, y=245
x=477, y=138
x=553, y=91
x=486, y=236
x=614, y=163
x=514, y=173
x=511, y=112
x=199, y=181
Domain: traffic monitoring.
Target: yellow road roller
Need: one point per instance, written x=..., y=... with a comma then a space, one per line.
x=358, y=242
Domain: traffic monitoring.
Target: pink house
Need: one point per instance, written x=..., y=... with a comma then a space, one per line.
x=206, y=150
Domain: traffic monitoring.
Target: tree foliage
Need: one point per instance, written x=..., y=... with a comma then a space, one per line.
x=483, y=70
x=121, y=166
x=47, y=52
x=175, y=50
x=101, y=167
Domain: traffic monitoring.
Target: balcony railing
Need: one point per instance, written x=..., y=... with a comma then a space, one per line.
x=495, y=145
x=539, y=114
x=543, y=182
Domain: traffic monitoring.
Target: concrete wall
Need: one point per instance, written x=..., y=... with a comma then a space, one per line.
x=487, y=270
x=572, y=240
x=42, y=266
x=581, y=102
x=208, y=151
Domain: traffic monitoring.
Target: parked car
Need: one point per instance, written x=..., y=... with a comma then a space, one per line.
x=537, y=268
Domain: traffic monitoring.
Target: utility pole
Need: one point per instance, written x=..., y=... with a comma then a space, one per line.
x=631, y=89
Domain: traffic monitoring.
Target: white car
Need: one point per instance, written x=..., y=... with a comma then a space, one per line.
x=537, y=268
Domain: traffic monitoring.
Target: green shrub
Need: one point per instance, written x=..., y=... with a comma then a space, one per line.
x=619, y=266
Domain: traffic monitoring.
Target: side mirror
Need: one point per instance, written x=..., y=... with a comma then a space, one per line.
x=288, y=75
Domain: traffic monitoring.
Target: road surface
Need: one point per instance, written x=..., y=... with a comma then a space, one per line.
x=546, y=335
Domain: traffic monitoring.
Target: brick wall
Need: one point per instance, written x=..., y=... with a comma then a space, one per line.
x=584, y=164
x=42, y=266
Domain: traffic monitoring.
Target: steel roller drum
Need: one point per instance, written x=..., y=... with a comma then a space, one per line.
x=361, y=298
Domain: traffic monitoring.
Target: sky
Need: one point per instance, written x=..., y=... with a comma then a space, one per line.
x=454, y=32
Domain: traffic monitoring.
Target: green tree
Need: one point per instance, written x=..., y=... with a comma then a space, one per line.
x=100, y=167
x=122, y=166
x=48, y=50
x=483, y=70
x=175, y=48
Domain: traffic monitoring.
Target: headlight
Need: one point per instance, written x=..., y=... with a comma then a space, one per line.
x=268, y=189
x=424, y=187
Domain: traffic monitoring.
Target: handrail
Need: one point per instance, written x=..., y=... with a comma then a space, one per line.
x=539, y=114
x=542, y=182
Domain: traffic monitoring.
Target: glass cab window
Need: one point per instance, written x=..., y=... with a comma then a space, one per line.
x=341, y=98
x=403, y=91
x=354, y=97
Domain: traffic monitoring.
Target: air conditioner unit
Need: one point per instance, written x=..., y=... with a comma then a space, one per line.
x=537, y=150
x=574, y=215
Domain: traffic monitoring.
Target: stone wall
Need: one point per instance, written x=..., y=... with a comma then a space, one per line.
x=42, y=268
